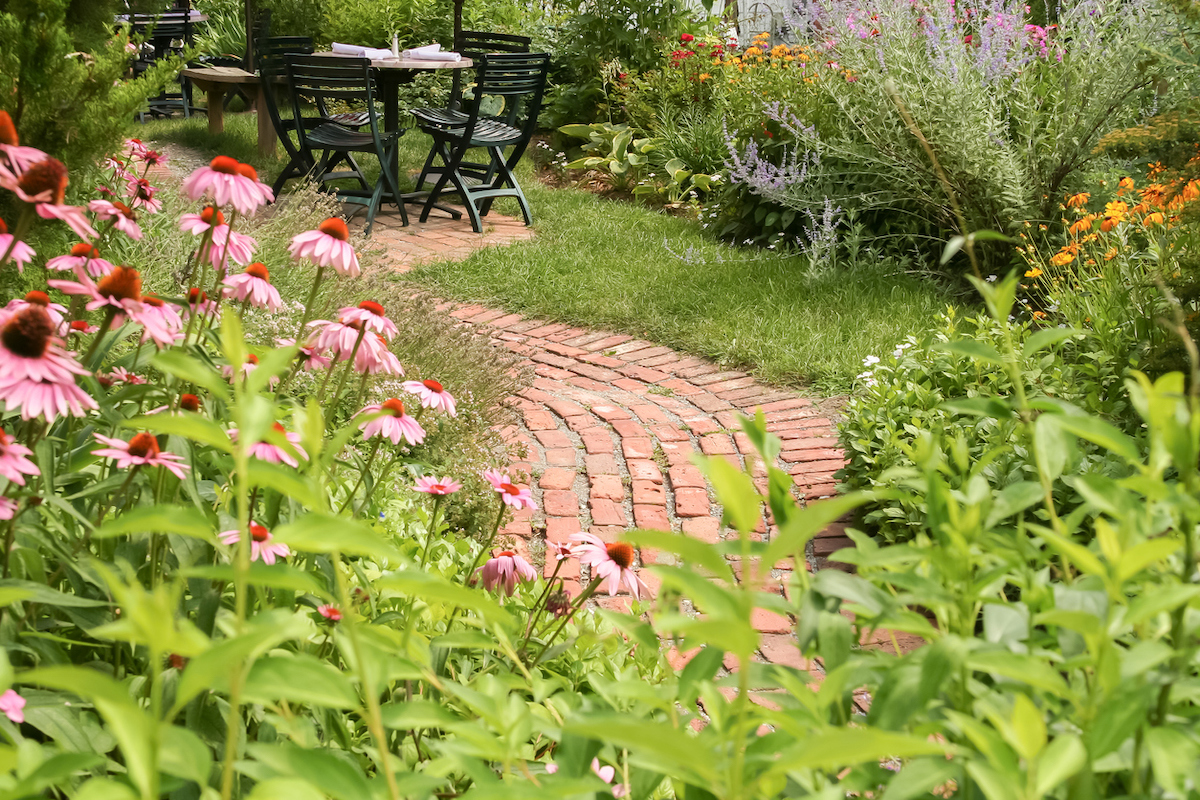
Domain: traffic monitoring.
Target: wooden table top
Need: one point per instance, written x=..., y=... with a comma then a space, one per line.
x=407, y=63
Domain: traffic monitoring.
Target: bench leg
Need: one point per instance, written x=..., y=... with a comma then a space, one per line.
x=266, y=130
x=216, y=109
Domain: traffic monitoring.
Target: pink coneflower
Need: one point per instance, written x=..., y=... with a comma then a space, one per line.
x=432, y=395
x=336, y=336
x=606, y=774
x=120, y=289
x=44, y=185
x=431, y=485
x=309, y=356
x=13, y=706
x=394, y=424
x=121, y=375
x=609, y=562
x=80, y=326
x=369, y=315
x=330, y=613
x=255, y=285
x=265, y=451
x=137, y=148
x=141, y=195
x=328, y=245
x=227, y=182
x=36, y=375
x=262, y=544
x=8, y=508
x=199, y=304
x=13, y=464
x=373, y=357
x=196, y=224
x=559, y=550
x=56, y=311
x=124, y=218
x=140, y=451
x=511, y=494
x=506, y=568
x=249, y=366
x=21, y=252
x=160, y=321
x=19, y=158
x=84, y=259
x=239, y=246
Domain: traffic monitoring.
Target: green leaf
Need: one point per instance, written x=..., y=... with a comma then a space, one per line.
x=736, y=492
x=285, y=480
x=325, y=533
x=1064, y=757
x=842, y=747
x=183, y=754
x=39, y=593
x=1006, y=624
x=673, y=750
x=302, y=679
x=1049, y=445
x=1028, y=728
x=953, y=245
x=1012, y=500
x=973, y=349
x=428, y=587
x=336, y=777
x=177, y=519
x=189, y=426
x=919, y=777
x=805, y=523
x=416, y=714
x=996, y=407
x=274, y=576
x=270, y=365
x=1172, y=757
x=834, y=637
x=191, y=370
x=692, y=551
x=1045, y=338
x=1020, y=668
x=1097, y=431
x=285, y=789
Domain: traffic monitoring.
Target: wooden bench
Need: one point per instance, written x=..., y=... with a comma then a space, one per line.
x=215, y=82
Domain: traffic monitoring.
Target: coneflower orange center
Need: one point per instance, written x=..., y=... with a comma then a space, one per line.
x=210, y=213
x=432, y=385
x=508, y=553
x=195, y=294
x=258, y=270
x=225, y=165
x=3, y=438
x=125, y=210
x=37, y=298
x=123, y=283
x=251, y=359
x=48, y=175
x=508, y=488
x=8, y=131
x=258, y=533
x=79, y=325
x=143, y=445
x=151, y=300
x=279, y=428
x=247, y=171
x=621, y=553
x=28, y=332
x=394, y=406
x=373, y=307
x=84, y=250
x=189, y=402
x=336, y=228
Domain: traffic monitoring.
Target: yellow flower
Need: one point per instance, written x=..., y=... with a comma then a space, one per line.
x=1062, y=259
x=1033, y=273
x=1125, y=184
x=1078, y=200
x=1039, y=315
x=1111, y=254
x=1082, y=224
x=1153, y=219
x=704, y=76
x=1117, y=206
x=753, y=51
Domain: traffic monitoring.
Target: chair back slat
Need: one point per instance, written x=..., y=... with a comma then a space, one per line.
x=325, y=78
x=476, y=44
x=520, y=78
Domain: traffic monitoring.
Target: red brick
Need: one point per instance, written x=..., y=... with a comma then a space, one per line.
x=607, y=487
x=809, y=440
x=546, y=329
x=649, y=353
x=644, y=374
x=679, y=660
x=606, y=512
x=518, y=527
x=554, y=438
x=649, y=493
x=601, y=464
x=637, y=448
x=586, y=338
x=555, y=373
x=711, y=378
x=722, y=388
x=564, y=349
x=769, y=622
x=649, y=413
x=595, y=373
x=598, y=441
x=643, y=470
x=609, y=413
x=506, y=321
x=823, y=548
x=632, y=386
x=555, y=361
x=602, y=361
x=606, y=343
x=559, y=529
x=706, y=529
x=782, y=649
x=557, y=478
x=560, y=503
x=677, y=452
x=629, y=346
x=701, y=425
x=565, y=408
x=801, y=456
x=627, y=428
x=683, y=475
x=648, y=516
x=583, y=422
x=704, y=368
x=680, y=387
x=815, y=467
x=561, y=457
x=795, y=428
x=466, y=312
x=568, y=568
x=717, y=444
x=691, y=503
x=622, y=604
x=708, y=402
x=540, y=421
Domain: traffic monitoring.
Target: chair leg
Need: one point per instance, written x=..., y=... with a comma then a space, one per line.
x=385, y=169
x=439, y=148
x=424, y=176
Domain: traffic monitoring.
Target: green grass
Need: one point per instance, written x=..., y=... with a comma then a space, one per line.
x=600, y=263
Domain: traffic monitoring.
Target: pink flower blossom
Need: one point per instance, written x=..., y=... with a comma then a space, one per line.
x=266, y=451
x=122, y=375
x=431, y=485
x=512, y=495
x=328, y=245
x=373, y=357
x=432, y=395
x=141, y=195
x=196, y=224
x=330, y=613
x=8, y=508
x=227, y=182
x=505, y=569
x=36, y=375
x=56, y=311
x=80, y=327
x=160, y=321
x=255, y=286
x=609, y=562
x=238, y=246
x=309, y=356
x=140, y=451
x=13, y=464
x=84, y=259
x=21, y=252
x=13, y=706
x=559, y=550
x=369, y=315
x=124, y=218
x=606, y=774
x=263, y=546
x=44, y=184
x=392, y=424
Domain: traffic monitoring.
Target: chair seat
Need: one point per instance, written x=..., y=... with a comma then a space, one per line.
x=441, y=117
x=341, y=138
x=351, y=119
x=487, y=133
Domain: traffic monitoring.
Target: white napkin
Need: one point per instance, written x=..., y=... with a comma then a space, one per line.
x=431, y=52
x=373, y=53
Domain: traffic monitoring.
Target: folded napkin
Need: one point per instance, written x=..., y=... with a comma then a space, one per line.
x=431, y=52
x=373, y=53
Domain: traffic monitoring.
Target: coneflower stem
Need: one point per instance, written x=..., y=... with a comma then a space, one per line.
x=312, y=297
x=587, y=592
x=362, y=474
x=110, y=313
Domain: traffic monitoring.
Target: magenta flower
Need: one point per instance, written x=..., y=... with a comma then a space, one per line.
x=609, y=562
x=330, y=613
x=228, y=182
x=431, y=485
x=263, y=546
x=8, y=508
x=84, y=259
x=240, y=247
x=506, y=568
x=393, y=424
x=36, y=375
x=327, y=246
x=13, y=705
x=255, y=285
x=265, y=451
x=141, y=195
x=44, y=184
x=512, y=495
x=122, y=375
x=140, y=451
x=124, y=218
x=56, y=311
x=160, y=321
x=21, y=252
x=310, y=356
x=369, y=315
x=432, y=395
x=373, y=357
x=13, y=464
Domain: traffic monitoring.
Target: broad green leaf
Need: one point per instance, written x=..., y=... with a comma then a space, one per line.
x=105, y=789
x=428, y=587
x=177, y=519
x=301, y=679
x=805, y=523
x=1029, y=731
x=973, y=349
x=285, y=789
x=851, y=588
x=919, y=777
x=1006, y=624
x=997, y=407
x=339, y=778
x=1172, y=757
x=1142, y=555
x=417, y=714
x=1064, y=757
x=843, y=747
x=191, y=370
x=1020, y=668
x=183, y=754
x=1049, y=445
x=953, y=245
x=190, y=426
x=1012, y=500
x=42, y=594
x=1046, y=338
x=736, y=492
x=1108, y=436
x=834, y=637
x=671, y=748
x=285, y=480
x=325, y=533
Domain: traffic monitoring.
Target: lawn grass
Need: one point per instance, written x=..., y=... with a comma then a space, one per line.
x=601, y=263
